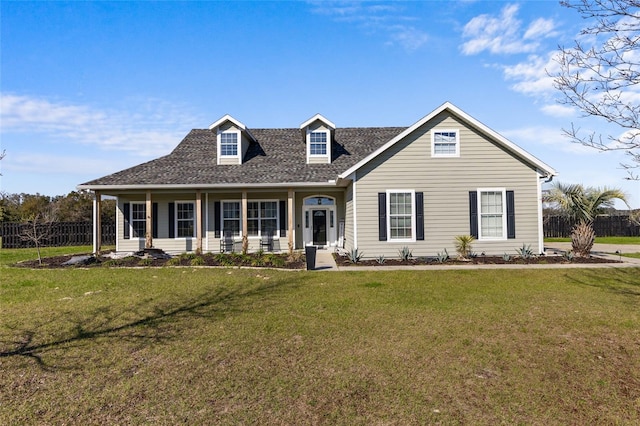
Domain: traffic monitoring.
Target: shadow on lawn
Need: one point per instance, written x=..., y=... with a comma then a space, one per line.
x=142, y=325
x=619, y=280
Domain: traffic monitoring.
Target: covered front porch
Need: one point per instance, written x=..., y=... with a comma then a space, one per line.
x=212, y=220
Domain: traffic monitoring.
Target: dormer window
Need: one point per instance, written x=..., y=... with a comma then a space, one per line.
x=318, y=135
x=318, y=143
x=229, y=144
x=233, y=140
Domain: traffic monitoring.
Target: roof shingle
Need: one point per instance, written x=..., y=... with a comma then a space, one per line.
x=278, y=156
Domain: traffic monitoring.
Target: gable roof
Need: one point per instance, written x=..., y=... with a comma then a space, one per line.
x=276, y=158
x=543, y=168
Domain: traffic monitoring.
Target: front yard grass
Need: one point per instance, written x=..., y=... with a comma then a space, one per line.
x=242, y=346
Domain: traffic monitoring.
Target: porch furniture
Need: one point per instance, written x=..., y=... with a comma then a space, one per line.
x=227, y=244
x=266, y=241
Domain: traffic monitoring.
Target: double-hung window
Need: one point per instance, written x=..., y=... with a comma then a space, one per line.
x=185, y=219
x=445, y=143
x=262, y=216
x=231, y=217
x=493, y=215
x=318, y=143
x=229, y=144
x=138, y=220
x=401, y=215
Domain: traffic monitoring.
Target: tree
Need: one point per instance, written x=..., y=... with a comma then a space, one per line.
x=40, y=227
x=581, y=205
x=600, y=75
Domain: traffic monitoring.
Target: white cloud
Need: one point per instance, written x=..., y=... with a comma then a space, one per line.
x=373, y=17
x=550, y=137
x=541, y=27
x=409, y=38
x=149, y=128
x=503, y=34
x=558, y=110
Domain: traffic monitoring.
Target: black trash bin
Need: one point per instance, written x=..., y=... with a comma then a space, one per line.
x=310, y=253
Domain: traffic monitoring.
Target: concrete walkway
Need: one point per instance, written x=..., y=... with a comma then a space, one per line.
x=325, y=261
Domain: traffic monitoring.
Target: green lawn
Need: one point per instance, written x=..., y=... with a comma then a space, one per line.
x=601, y=240
x=249, y=346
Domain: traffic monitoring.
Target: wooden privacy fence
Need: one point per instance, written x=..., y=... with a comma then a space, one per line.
x=605, y=226
x=61, y=234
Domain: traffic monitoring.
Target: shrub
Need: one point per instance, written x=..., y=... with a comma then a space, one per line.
x=145, y=262
x=442, y=257
x=525, y=251
x=275, y=260
x=463, y=245
x=506, y=257
x=381, y=260
x=174, y=261
x=405, y=254
x=582, y=239
x=355, y=256
x=197, y=261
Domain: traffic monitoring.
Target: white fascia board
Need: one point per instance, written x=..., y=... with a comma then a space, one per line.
x=318, y=117
x=235, y=122
x=546, y=170
x=205, y=186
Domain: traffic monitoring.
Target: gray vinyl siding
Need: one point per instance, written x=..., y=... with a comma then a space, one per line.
x=348, y=223
x=445, y=183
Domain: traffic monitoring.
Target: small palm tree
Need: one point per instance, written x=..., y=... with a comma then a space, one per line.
x=581, y=205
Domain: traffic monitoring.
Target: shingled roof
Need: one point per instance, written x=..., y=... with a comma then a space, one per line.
x=277, y=157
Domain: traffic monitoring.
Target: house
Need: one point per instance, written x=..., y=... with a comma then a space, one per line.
x=377, y=189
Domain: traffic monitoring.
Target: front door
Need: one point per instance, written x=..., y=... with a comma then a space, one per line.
x=319, y=227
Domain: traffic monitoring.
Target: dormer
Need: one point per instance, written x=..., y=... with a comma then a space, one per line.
x=232, y=139
x=318, y=133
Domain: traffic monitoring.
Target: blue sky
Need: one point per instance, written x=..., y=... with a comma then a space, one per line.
x=90, y=88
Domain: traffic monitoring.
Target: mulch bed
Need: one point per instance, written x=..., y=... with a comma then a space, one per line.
x=478, y=260
x=208, y=259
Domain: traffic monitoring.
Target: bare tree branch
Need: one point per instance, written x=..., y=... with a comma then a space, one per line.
x=600, y=75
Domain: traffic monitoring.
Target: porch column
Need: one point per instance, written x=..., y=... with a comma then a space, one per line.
x=245, y=222
x=97, y=222
x=148, y=238
x=290, y=219
x=199, y=221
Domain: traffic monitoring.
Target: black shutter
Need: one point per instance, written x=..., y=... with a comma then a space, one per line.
x=154, y=220
x=283, y=218
x=203, y=215
x=511, y=215
x=172, y=220
x=473, y=214
x=419, y=216
x=217, y=219
x=127, y=214
x=382, y=216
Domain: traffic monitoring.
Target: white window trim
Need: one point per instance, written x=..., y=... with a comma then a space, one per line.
x=504, y=214
x=276, y=235
x=195, y=218
x=328, y=134
x=433, y=143
x=219, y=144
x=413, y=216
x=222, y=202
x=130, y=219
